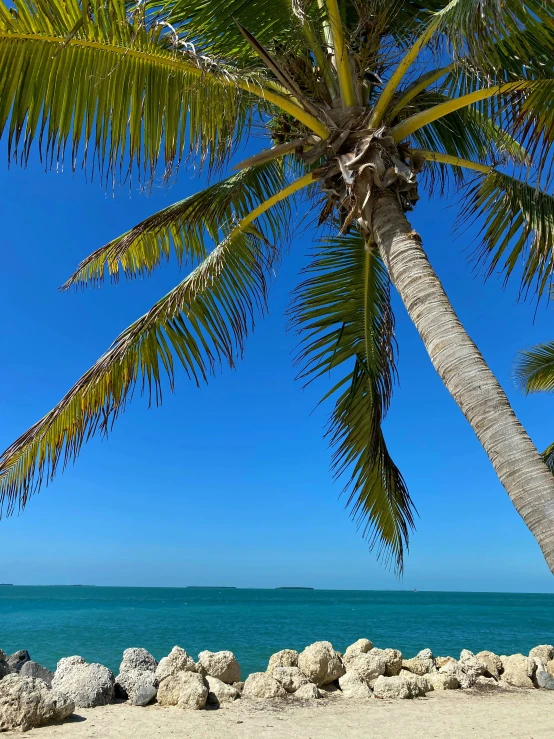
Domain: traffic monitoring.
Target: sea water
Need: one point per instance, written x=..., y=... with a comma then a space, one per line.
x=98, y=623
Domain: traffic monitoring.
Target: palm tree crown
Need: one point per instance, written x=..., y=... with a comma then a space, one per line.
x=357, y=98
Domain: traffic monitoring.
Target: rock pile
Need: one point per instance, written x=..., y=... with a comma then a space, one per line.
x=31, y=695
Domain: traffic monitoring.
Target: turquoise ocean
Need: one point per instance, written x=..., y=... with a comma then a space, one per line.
x=98, y=623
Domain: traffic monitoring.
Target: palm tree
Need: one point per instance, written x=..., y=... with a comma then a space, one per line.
x=369, y=104
x=534, y=373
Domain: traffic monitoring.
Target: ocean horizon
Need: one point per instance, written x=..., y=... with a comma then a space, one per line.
x=99, y=622
x=277, y=587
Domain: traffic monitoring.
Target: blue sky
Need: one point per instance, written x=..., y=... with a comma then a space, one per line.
x=230, y=484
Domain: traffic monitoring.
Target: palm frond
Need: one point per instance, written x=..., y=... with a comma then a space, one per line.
x=211, y=25
x=182, y=228
x=342, y=311
x=517, y=125
x=531, y=118
x=521, y=54
x=341, y=54
x=201, y=323
x=525, y=113
x=534, y=369
x=470, y=135
x=517, y=231
x=534, y=373
x=466, y=133
x=401, y=70
x=114, y=86
x=478, y=28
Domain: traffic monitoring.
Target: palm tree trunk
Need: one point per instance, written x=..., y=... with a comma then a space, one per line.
x=463, y=370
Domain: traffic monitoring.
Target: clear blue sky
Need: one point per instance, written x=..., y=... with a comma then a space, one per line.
x=229, y=485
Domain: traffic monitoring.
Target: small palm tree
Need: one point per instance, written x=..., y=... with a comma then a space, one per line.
x=369, y=104
x=534, y=373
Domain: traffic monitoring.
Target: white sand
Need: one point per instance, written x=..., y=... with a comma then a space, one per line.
x=495, y=714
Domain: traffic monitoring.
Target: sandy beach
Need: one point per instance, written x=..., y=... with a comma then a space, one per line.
x=494, y=714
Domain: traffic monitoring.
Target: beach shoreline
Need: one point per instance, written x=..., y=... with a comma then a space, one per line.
x=318, y=692
x=490, y=714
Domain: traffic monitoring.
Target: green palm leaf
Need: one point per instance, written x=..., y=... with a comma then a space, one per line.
x=211, y=25
x=182, y=228
x=478, y=28
x=525, y=53
x=344, y=314
x=466, y=133
x=115, y=86
x=534, y=369
x=518, y=228
x=533, y=373
x=201, y=323
x=531, y=119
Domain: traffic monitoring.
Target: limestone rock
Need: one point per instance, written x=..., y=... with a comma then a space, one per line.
x=133, y=681
x=472, y=664
x=362, y=646
x=353, y=686
x=421, y=664
x=492, y=662
x=26, y=702
x=418, y=684
x=284, y=658
x=239, y=686
x=368, y=667
x=440, y=681
x=321, y=663
x=542, y=654
x=17, y=660
x=183, y=689
x=488, y=682
x=466, y=671
x=550, y=667
x=176, y=661
x=397, y=686
x=67, y=664
x=4, y=667
x=260, y=685
x=441, y=661
x=88, y=685
x=466, y=678
x=393, y=663
x=33, y=669
x=137, y=676
x=543, y=679
x=331, y=690
x=136, y=658
x=223, y=665
x=144, y=694
x=219, y=692
x=291, y=678
x=309, y=691
x=517, y=670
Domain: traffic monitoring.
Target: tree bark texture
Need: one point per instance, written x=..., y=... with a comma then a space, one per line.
x=465, y=373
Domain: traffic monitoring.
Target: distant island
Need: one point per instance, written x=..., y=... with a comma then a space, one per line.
x=6, y=584
x=210, y=587
x=293, y=587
